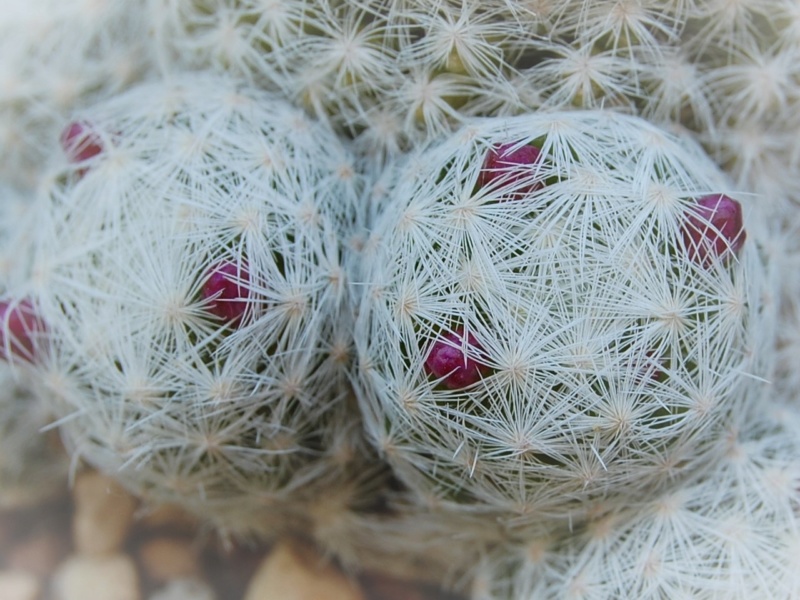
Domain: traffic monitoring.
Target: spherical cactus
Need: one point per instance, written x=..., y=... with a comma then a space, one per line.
x=58, y=56
x=190, y=277
x=537, y=343
x=733, y=531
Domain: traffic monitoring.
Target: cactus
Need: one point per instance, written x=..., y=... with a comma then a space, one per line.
x=569, y=332
x=731, y=532
x=389, y=73
x=190, y=278
x=59, y=56
x=33, y=465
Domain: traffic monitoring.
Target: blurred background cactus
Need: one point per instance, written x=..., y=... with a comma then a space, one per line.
x=56, y=57
x=730, y=532
x=33, y=465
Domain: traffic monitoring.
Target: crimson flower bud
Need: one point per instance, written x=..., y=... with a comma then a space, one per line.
x=21, y=326
x=448, y=361
x=226, y=291
x=80, y=142
x=714, y=228
x=508, y=166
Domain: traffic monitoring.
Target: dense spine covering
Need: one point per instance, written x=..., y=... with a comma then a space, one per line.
x=228, y=397
x=396, y=72
x=539, y=343
x=732, y=531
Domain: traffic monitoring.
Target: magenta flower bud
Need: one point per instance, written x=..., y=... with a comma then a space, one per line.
x=448, y=361
x=80, y=142
x=507, y=166
x=651, y=369
x=713, y=228
x=21, y=326
x=227, y=292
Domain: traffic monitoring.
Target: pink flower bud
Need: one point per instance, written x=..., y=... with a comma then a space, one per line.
x=507, y=166
x=713, y=228
x=226, y=291
x=651, y=369
x=80, y=142
x=448, y=361
x=21, y=326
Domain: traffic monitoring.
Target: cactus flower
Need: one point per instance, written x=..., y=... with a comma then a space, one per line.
x=226, y=290
x=80, y=142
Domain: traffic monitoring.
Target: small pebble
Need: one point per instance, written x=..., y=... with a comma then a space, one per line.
x=96, y=578
x=184, y=589
x=165, y=558
x=15, y=585
x=103, y=515
x=38, y=554
x=292, y=572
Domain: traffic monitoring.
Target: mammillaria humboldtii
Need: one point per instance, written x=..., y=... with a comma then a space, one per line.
x=190, y=277
x=591, y=353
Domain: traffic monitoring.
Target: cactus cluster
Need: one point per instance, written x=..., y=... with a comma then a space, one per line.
x=483, y=292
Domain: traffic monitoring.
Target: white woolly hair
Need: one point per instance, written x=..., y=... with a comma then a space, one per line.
x=58, y=56
x=612, y=360
x=733, y=532
x=152, y=388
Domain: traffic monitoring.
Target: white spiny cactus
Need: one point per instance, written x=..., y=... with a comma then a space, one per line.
x=733, y=532
x=188, y=269
x=390, y=72
x=549, y=318
x=58, y=55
